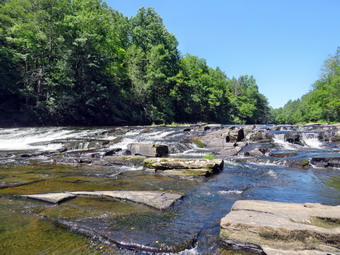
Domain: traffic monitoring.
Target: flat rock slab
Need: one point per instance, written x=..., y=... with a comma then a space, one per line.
x=156, y=199
x=54, y=198
x=271, y=251
x=283, y=226
x=184, y=163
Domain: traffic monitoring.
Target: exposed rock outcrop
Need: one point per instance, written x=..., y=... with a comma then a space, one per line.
x=150, y=150
x=156, y=199
x=184, y=166
x=280, y=228
x=325, y=162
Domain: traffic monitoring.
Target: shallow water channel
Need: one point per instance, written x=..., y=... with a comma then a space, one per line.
x=88, y=225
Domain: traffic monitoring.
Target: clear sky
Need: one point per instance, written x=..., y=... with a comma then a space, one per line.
x=283, y=43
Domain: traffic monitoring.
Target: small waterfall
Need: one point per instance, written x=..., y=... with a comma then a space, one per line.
x=140, y=136
x=280, y=140
x=41, y=139
x=311, y=140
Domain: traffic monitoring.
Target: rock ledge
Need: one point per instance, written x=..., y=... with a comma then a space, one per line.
x=283, y=228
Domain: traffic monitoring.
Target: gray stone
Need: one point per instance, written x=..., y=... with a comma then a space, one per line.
x=254, y=153
x=261, y=136
x=215, y=165
x=235, y=135
x=283, y=226
x=184, y=168
x=270, y=251
x=54, y=198
x=325, y=162
x=156, y=199
x=232, y=150
x=150, y=150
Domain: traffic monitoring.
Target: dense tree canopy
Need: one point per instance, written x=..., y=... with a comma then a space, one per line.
x=322, y=104
x=80, y=62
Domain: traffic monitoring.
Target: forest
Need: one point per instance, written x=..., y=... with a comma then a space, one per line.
x=321, y=104
x=80, y=62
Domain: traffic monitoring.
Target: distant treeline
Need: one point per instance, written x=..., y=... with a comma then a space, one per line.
x=322, y=104
x=80, y=62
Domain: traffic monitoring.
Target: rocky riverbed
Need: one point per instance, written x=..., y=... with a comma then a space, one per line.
x=165, y=189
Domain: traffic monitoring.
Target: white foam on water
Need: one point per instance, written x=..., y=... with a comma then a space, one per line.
x=193, y=251
x=272, y=173
x=129, y=137
x=157, y=135
x=41, y=139
x=280, y=140
x=135, y=136
x=311, y=140
x=25, y=139
x=131, y=168
x=266, y=163
x=237, y=192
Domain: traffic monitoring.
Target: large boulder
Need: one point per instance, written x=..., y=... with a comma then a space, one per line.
x=235, y=135
x=232, y=149
x=256, y=152
x=261, y=136
x=292, y=137
x=182, y=167
x=149, y=150
x=274, y=226
x=325, y=162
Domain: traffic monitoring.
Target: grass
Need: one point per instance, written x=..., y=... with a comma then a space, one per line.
x=209, y=156
x=147, y=164
x=198, y=142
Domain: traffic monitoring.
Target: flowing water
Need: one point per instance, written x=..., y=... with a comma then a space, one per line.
x=87, y=225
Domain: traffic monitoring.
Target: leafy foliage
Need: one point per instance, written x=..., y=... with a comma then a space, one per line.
x=79, y=62
x=322, y=104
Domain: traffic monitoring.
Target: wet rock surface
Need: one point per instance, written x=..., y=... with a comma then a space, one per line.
x=324, y=162
x=159, y=200
x=283, y=226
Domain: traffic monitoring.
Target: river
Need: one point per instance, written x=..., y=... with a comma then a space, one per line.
x=86, y=225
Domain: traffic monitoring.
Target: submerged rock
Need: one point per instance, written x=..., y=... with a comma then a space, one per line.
x=54, y=198
x=280, y=228
x=282, y=154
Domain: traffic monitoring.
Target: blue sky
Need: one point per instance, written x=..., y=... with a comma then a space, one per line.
x=283, y=43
